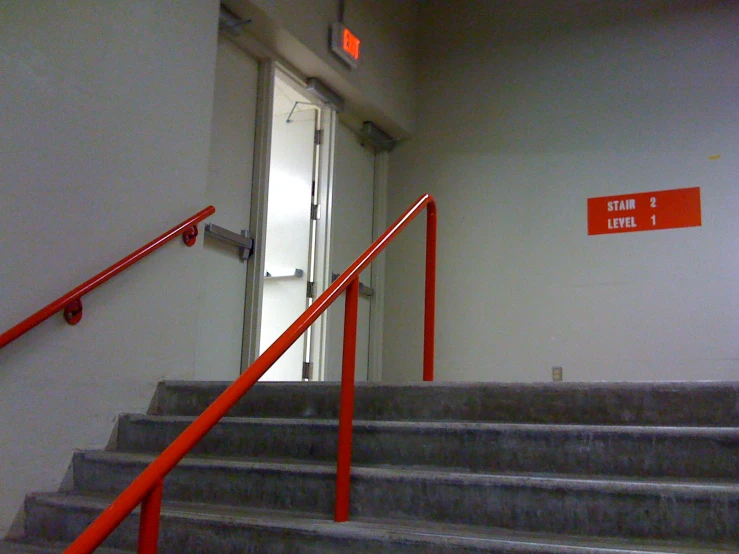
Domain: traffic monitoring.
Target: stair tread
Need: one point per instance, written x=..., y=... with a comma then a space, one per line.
x=564, y=385
x=537, y=468
x=42, y=547
x=633, y=485
x=376, y=529
x=658, y=403
x=458, y=425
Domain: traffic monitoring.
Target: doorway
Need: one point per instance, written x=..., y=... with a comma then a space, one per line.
x=310, y=209
x=292, y=210
x=320, y=219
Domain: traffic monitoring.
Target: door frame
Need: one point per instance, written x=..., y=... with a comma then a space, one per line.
x=268, y=65
x=258, y=216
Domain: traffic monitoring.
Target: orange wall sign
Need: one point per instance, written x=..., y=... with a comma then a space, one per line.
x=644, y=211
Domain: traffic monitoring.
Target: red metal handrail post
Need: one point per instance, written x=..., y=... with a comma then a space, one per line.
x=429, y=314
x=151, y=509
x=346, y=408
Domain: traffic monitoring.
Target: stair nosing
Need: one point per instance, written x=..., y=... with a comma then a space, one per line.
x=544, y=385
x=44, y=547
x=580, y=483
x=374, y=529
x=667, y=431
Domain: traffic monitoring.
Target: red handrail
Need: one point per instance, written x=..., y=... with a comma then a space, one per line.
x=147, y=487
x=71, y=302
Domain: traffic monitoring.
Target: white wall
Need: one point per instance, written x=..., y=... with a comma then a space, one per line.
x=383, y=87
x=512, y=139
x=104, y=121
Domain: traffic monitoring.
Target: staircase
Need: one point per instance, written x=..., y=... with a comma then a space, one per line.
x=438, y=468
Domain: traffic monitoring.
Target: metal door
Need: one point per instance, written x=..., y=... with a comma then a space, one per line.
x=351, y=233
x=221, y=302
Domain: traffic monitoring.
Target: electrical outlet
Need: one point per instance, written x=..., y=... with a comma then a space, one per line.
x=556, y=373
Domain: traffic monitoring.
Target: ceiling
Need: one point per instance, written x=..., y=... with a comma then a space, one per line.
x=515, y=20
x=286, y=94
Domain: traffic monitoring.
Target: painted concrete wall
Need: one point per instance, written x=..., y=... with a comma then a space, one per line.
x=383, y=87
x=105, y=126
x=512, y=139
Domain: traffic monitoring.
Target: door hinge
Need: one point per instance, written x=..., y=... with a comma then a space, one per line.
x=307, y=370
x=318, y=137
x=315, y=211
x=311, y=289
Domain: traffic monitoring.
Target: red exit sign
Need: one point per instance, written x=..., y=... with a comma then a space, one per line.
x=345, y=44
x=645, y=211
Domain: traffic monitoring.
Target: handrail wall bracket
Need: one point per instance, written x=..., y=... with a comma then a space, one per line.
x=190, y=235
x=73, y=312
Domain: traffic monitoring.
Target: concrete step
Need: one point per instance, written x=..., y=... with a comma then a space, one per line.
x=638, y=508
x=196, y=529
x=10, y=547
x=663, y=404
x=699, y=452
